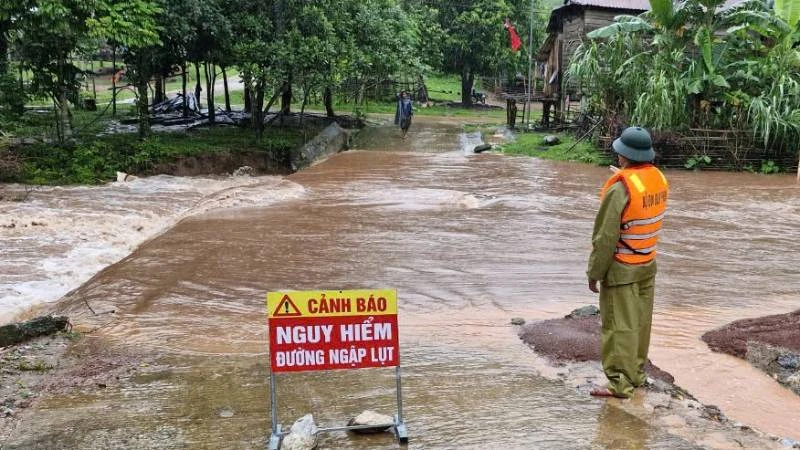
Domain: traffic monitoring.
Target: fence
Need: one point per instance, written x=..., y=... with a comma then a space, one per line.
x=726, y=150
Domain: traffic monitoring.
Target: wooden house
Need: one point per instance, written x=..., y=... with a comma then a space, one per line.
x=566, y=29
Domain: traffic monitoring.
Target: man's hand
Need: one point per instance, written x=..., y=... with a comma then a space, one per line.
x=593, y=286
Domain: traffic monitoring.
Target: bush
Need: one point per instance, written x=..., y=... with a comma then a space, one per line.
x=12, y=98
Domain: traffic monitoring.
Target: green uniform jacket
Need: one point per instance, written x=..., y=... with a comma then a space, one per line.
x=602, y=265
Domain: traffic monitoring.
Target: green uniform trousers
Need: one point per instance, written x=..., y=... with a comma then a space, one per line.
x=627, y=313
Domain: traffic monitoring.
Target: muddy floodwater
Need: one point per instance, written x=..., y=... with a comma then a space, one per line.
x=469, y=241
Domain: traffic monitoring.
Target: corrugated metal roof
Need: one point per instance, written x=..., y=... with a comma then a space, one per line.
x=641, y=5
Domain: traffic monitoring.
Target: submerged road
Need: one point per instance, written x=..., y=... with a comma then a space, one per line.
x=468, y=241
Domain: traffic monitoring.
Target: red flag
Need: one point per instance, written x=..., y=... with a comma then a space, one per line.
x=512, y=34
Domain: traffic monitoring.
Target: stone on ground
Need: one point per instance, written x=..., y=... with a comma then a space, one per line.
x=371, y=418
x=302, y=435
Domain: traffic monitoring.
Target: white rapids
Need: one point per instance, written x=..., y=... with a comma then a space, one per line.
x=59, y=237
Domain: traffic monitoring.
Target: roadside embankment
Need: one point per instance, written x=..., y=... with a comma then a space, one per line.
x=568, y=349
x=770, y=343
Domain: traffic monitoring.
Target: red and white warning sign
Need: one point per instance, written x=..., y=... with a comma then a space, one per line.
x=323, y=330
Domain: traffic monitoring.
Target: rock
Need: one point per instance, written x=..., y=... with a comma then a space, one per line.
x=15, y=333
x=123, y=177
x=790, y=443
x=482, y=148
x=517, y=321
x=302, y=435
x=226, y=413
x=244, y=171
x=712, y=412
x=789, y=360
x=368, y=417
x=584, y=311
x=551, y=140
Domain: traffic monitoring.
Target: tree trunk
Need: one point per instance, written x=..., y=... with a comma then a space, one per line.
x=286, y=98
x=210, y=76
x=227, y=93
x=258, y=113
x=197, y=87
x=183, y=89
x=94, y=87
x=423, y=90
x=467, y=79
x=360, y=95
x=142, y=109
x=248, y=101
x=274, y=97
x=64, y=124
x=327, y=98
x=158, y=94
x=303, y=106
x=114, y=80
x=5, y=26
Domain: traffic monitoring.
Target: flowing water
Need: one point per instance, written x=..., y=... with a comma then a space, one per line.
x=468, y=240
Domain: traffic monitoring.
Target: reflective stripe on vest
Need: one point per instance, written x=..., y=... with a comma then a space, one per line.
x=641, y=219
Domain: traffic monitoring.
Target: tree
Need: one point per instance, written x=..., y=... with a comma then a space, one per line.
x=131, y=25
x=474, y=41
x=49, y=32
x=385, y=41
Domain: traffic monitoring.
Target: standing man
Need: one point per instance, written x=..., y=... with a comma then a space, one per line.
x=404, y=112
x=626, y=229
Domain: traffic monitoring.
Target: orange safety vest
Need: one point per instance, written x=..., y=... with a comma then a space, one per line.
x=641, y=219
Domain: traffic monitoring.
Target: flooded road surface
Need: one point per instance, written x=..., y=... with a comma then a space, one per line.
x=469, y=241
x=58, y=237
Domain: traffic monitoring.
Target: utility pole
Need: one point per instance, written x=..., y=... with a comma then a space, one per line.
x=530, y=67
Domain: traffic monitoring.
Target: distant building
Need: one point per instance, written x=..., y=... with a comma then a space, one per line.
x=566, y=29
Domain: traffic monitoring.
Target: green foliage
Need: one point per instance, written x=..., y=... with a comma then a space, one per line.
x=788, y=10
x=530, y=144
x=473, y=41
x=769, y=166
x=694, y=65
x=697, y=162
x=97, y=161
x=12, y=98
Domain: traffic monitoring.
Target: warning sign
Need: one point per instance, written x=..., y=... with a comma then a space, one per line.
x=331, y=303
x=286, y=308
x=323, y=330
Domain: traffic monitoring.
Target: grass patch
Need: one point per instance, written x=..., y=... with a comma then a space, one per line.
x=532, y=144
x=96, y=160
x=444, y=87
x=34, y=366
x=390, y=108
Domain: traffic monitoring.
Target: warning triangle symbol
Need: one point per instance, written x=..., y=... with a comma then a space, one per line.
x=286, y=308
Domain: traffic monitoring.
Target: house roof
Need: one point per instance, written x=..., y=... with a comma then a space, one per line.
x=642, y=5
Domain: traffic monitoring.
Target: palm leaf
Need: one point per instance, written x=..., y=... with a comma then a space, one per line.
x=788, y=10
x=617, y=28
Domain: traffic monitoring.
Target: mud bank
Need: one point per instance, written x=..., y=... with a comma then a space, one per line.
x=568, y=349
x=770, y=343
x=332, y=139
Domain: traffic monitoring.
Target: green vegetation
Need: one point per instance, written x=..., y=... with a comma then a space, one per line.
x=697, y=65
x=34, y=366
x=697, y=162
x=97, y=160
x=532, y=144
x=446, y=88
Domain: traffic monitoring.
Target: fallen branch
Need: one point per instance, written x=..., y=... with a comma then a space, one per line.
x=14, y=333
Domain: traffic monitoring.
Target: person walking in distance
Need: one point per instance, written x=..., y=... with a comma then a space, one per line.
x=405, y=110
x=622, y=261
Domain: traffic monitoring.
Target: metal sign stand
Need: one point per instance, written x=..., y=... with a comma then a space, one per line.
x=400, y=430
